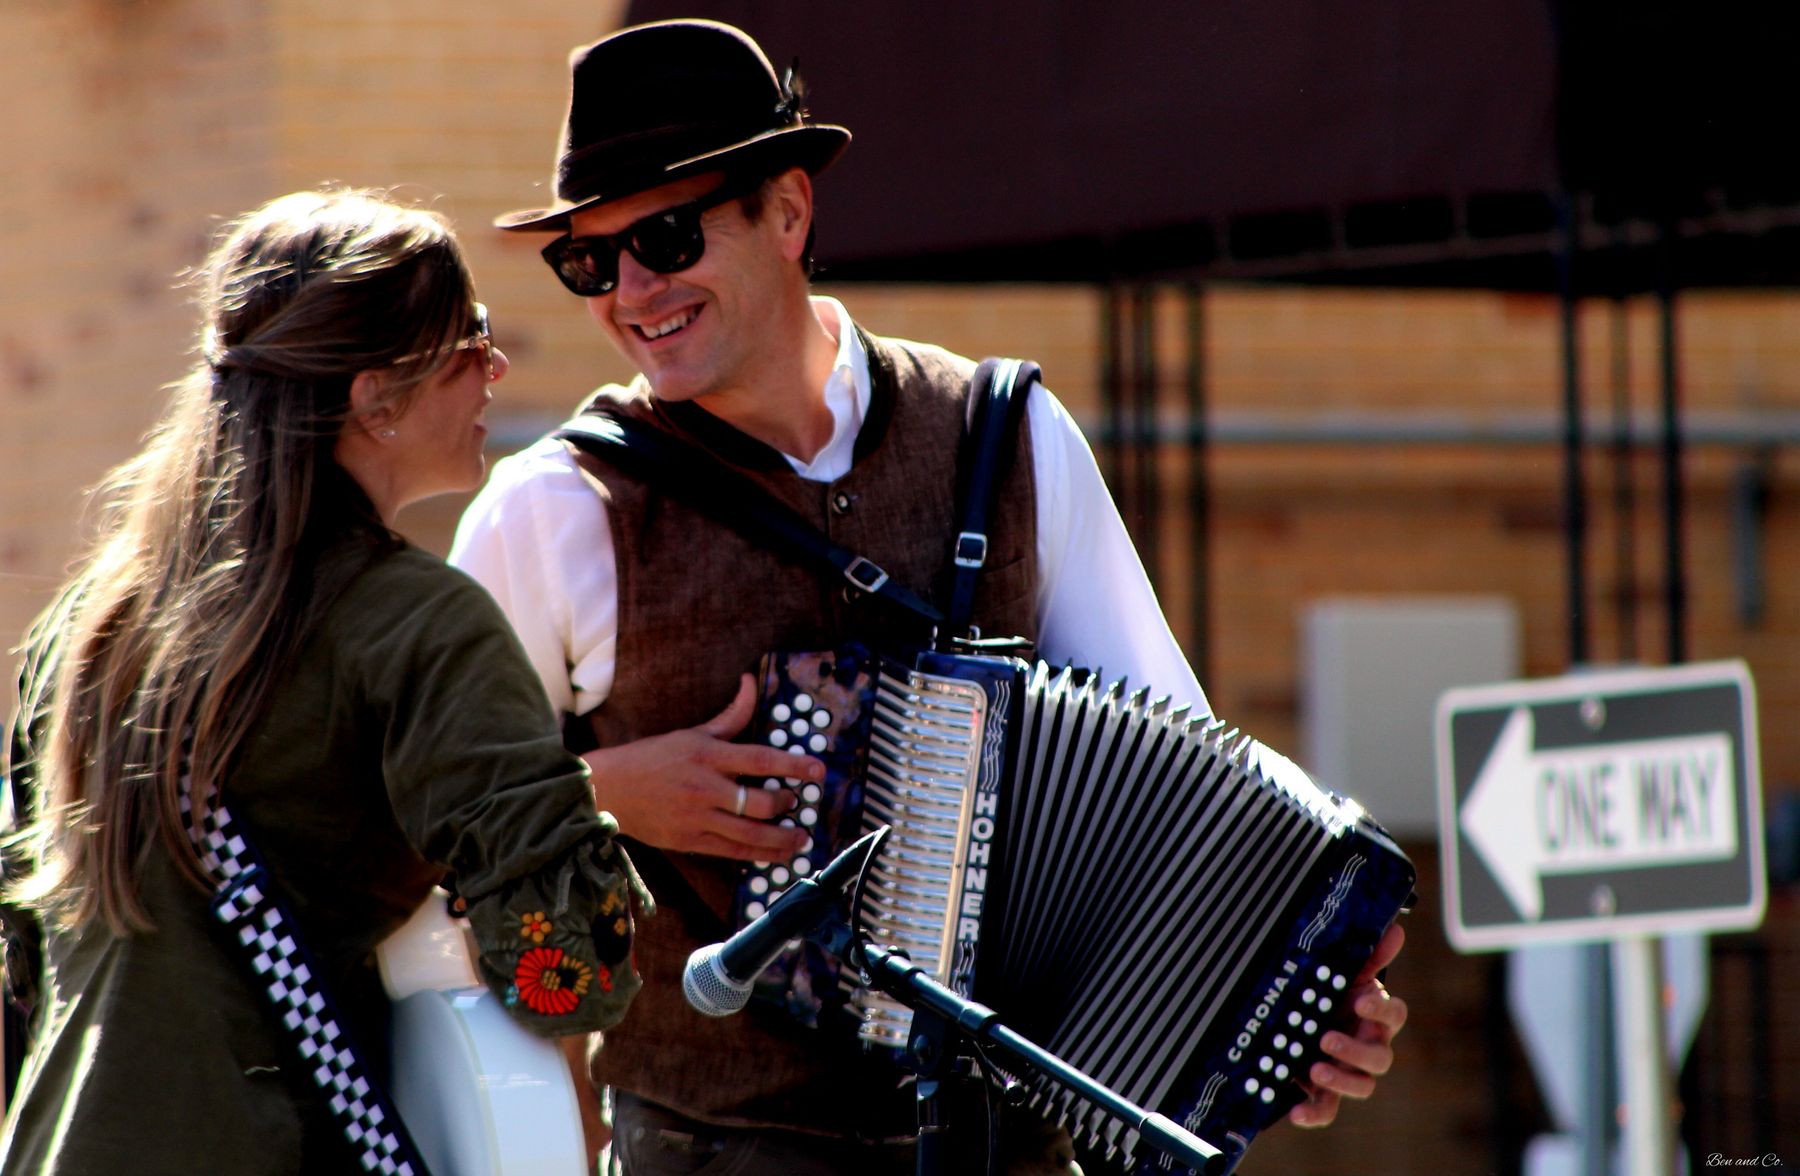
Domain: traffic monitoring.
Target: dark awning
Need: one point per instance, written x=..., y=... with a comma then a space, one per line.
x=1380, y=140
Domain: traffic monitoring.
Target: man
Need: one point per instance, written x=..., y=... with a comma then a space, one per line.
x=684, y=209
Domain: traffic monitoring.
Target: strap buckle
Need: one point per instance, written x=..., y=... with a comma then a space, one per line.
x=865, y=575
x=971, y=549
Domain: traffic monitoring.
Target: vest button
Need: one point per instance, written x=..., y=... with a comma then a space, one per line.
x=841, y=502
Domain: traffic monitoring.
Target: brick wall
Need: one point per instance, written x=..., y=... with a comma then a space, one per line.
x=127, y=127
x=134, y=127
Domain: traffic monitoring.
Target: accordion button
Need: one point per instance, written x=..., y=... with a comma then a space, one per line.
x=787, y=822
x=796, y=749
x=1281, y=1073
x=781, y=714
x=1324, y=1004
x=1294, y=1050
x=759, y=885
x=1251, y=1086
x=1268, y=1095
x=811, y=793
x=1337, y=982
x=1323, y=973
x=754, y=909
x=809, y=816
x=779, y=875
x=1311, y=1028
x=771, y=785
x=1294, y=1019
x=817, y=743
x=802, y=866
x=778, y=738
x=1265, y=1064
x=821, y=717
x=800, y=727
x=1281, y=1041
x=803, y=702
x=1309, y=996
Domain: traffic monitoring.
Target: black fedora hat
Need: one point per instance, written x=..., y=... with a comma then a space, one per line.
x=659, y=102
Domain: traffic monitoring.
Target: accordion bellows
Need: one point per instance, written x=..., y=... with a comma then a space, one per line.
x=1158, y=899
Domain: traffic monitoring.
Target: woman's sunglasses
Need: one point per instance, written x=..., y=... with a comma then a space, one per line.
x=665, y=242
x=481, y=338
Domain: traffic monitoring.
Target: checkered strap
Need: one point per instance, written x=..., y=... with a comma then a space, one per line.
x=271, y=944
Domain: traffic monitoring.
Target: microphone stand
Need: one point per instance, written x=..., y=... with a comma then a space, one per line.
x=938, y=1012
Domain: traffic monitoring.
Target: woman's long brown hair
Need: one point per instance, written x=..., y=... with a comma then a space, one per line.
x=168, y=642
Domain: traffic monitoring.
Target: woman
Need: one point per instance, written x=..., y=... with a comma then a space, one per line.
x=248, y=620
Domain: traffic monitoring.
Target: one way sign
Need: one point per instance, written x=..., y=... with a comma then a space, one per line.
x=1600, y=804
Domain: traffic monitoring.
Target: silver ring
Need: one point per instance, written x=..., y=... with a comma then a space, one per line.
x=742, y=797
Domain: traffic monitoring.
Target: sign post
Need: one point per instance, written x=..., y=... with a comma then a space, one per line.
x=1612, y=806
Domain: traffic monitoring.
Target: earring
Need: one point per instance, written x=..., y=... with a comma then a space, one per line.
x=385, y=434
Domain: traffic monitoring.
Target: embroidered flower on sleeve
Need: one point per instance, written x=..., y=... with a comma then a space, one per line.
x=534, y=926
x=552, y=983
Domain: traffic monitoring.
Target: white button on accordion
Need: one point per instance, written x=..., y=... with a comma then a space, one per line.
x=1156, y=898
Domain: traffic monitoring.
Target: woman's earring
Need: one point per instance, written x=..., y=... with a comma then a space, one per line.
x=385, y=434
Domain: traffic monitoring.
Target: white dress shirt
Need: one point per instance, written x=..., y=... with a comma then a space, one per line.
x=538, y=538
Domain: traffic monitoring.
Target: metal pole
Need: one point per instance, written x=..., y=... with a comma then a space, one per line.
x=1674, y=578
x=1595, y=1116
x=1637, y=963
x=1144, y=432
x=1199, y=500
x=1574, y=486
x=1112, y=389
x=1597, y=1048
x=1625, y=596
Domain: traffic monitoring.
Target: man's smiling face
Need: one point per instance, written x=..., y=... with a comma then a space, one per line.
x=704, y=329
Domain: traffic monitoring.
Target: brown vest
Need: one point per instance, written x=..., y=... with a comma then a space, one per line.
x=698, y=606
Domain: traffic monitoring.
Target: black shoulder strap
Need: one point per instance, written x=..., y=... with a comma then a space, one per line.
x=694, y=477
x=997, y=394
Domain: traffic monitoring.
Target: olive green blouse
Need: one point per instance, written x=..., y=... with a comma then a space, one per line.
x=410, y=736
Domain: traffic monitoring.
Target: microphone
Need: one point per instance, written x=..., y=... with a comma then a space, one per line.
x=719, y=976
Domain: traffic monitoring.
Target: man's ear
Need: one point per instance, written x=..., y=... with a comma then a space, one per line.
x=790, y=204
x=370, y=408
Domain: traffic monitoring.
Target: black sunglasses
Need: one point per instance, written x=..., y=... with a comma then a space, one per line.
x=664, y=242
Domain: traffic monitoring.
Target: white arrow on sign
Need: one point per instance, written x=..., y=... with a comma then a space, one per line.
x=1654, y=802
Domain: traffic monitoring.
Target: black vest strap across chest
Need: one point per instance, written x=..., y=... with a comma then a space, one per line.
x=692, y=476
x=998, y=393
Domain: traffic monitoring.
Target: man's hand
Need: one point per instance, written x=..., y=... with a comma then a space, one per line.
x=680, y=790
x=1364, y=1054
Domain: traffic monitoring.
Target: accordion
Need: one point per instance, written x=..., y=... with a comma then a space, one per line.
x=1157, y=899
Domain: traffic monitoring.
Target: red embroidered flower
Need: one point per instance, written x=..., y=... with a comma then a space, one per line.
x=550, y=982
